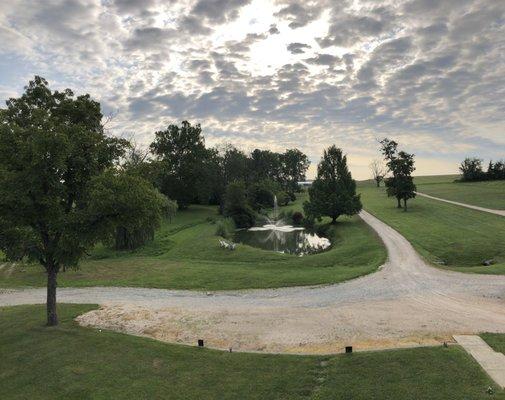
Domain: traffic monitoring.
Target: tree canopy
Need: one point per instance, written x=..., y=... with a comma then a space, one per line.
x=333, y=192
x=181, y=152
x=59, y=193
x=472, y=170
x=401, y=165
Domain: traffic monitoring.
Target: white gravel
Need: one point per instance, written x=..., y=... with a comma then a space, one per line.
x=406, y=303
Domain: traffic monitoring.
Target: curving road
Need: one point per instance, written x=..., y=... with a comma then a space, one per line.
x=488, y=210
x=406, y=303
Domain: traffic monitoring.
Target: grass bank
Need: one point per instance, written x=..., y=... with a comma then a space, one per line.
x=495, y=340
x=186, y=255
x=70, y=362
x=483, y=194
x=458, y=237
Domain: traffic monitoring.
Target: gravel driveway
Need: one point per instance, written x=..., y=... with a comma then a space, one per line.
x=406, y=303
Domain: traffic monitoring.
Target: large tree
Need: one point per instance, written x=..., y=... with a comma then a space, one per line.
x=58, y=192
x=293, y=169
x=182, y=155
x=265, y=164
x=333, y=192
x=401, y=165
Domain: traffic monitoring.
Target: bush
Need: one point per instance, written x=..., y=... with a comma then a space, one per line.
x=244, y=219
x=292, y=217
x=226, y=228
x=297, y=218
x=236, y=207
x=261, y=194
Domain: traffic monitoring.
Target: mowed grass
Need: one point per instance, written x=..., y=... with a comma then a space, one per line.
x=456, y=236
x=495, y=340
x=483, y=194
x=71, y=362
x=186, y=255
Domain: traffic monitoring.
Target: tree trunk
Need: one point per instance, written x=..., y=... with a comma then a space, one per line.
x=378, y=182
x=52, y=317
x=404, y=204
x=399, y=202
x=333, y=220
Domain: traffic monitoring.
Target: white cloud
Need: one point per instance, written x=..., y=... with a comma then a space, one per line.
x=278, y=73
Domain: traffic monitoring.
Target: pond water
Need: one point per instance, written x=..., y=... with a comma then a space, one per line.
x=283, y=239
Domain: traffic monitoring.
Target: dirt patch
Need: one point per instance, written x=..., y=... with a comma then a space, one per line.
x=365, y=326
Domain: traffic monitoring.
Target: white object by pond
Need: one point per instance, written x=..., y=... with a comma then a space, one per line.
x=227, y=245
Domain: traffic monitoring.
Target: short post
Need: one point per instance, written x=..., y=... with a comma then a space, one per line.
x=348, y=349
x=200, y=342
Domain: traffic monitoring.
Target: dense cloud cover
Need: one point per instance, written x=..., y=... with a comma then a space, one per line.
x=279, y=73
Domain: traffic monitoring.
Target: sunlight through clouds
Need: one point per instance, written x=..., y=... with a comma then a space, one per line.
x=277, y=73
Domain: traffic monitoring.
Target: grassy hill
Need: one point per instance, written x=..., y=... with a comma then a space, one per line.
x=186, y=255
x=484, y=194
x=449, y=235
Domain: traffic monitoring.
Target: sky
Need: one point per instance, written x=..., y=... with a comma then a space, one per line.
x=277, y=74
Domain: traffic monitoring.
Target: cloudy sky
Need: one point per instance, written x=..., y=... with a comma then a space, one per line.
x=278, y=73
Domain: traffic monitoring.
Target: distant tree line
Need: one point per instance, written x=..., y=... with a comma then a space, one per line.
x=472, y=170
x=241, y=184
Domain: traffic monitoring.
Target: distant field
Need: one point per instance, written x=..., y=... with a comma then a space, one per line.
x=483, y=194
x=186, y=255
x=444, y=233
x=70, y=362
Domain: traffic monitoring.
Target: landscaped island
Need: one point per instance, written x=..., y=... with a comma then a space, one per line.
x=185, y=254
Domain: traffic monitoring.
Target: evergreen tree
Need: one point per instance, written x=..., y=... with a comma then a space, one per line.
x=333, y=192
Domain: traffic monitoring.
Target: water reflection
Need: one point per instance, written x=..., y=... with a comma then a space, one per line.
x=284, y=239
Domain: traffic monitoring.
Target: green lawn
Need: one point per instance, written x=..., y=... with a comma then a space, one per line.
x=495, y=340
x=457, y=236
x=70, y=362
x=483, y=194
x=186, y=255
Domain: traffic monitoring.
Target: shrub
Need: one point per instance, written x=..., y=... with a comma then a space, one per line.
x=236, y=206
x=297, y=218
x=225, y=228
x=261, y=194
x=292, y=217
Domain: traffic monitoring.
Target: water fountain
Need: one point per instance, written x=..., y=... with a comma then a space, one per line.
x=276, y=235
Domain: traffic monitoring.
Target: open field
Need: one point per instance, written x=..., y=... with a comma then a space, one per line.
x=74, y=362
x=448, y=235
x=483, y=194
x=186, y=255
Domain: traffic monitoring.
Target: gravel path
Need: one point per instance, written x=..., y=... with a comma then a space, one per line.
x=489, y=210
x=406, y=303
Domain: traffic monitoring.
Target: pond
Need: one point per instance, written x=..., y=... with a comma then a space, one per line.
x=283, y=239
